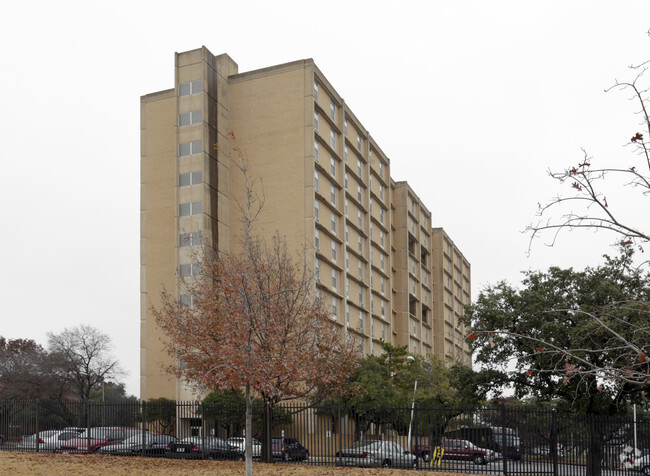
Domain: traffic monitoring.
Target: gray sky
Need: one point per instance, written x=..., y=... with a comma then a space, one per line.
x=489, y=96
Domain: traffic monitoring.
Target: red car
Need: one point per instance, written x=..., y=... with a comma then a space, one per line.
x=99, y=436
x=463, y=449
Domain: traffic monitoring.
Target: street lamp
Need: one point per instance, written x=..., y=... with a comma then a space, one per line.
x=411, y=359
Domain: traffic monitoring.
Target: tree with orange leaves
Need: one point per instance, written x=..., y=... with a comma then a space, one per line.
x=255, y=322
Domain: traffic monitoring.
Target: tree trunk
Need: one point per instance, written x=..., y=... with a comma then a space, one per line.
x=267, y=429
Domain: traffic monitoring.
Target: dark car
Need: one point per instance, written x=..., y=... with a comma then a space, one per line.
x=193, y=447
x=155, y=445
x=91, y=440
x=288, y=449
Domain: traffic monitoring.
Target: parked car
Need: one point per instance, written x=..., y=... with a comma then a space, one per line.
x=240, y=444
x=422, y=451
x=466, y=450
x=641, y=464
x=288, y=449
x=99, y=436
x=155, y=445
x=192, y=447
x=48, y=441
x=387, y=454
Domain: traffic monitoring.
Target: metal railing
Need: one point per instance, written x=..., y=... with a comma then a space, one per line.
x=487, y=440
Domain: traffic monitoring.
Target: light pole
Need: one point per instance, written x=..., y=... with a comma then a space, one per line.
x=411, y=359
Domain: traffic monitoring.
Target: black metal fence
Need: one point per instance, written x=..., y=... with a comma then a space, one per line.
x=495, y=440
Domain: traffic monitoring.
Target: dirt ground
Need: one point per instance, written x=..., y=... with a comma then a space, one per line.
x=38, y=464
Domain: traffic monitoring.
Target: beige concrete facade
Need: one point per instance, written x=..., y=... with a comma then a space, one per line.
x=327, y=190
x=452, y=291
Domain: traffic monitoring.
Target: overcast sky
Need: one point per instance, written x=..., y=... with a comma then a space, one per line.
x=485, y=96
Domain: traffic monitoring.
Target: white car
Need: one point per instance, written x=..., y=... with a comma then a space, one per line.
x=49, y=440
x=371, y=454
x=641, y=464
x=240, y=444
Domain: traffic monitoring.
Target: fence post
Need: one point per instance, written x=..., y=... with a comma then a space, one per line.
x=38, y=433
x=504, y=439
x=554, y=441
x=144, y=427
x=340, y=433
x=202, y=430
x=88, y=426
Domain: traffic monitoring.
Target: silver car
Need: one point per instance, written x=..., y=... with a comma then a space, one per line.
x=49, y=440
x=240, y=444
x=386, y=454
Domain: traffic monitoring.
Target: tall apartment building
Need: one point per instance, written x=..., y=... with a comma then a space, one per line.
x=452, y=291
x=326, y=186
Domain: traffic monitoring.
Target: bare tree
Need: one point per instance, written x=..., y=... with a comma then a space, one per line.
x=84, y=358
x=587, y=205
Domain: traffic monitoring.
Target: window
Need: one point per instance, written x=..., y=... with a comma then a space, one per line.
x=318, y=293
x=358, y=142
x=335, y=307
x=188, y=209
x=334, y=273
x=347, y=260
x=317, y=269
x=190, y=148
x=316, y=151
x=345, y=153
x=345, y=181
x=347, y=287
x=189, y=118
x=191, y=87
x=383, y=285
x=333, y=139
x=333, y=194
x=345, y=126
x=361, y=321
x=317, y=210
x=188, y=270
x=316, y=120
x=315, y=90
x=347, y=206
x=332, y=111
x=317, y=239
x=332, y=166
x=359, y=167
x=360, y=271
x=190, y=178
x=381, y=215
x=381, y=169
x=372, y=327
x=359, y=193
x=360, y=219
x=316, y=176
x=334, y=251
x=187, y=300
x=347, y=233
x=383, y=309
x=381, y=238
x=347, y=314
x=382, y=260
x=360, y=296
x=360, y=245
x=333, y=223
x=381, y=192
x=190, y=239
